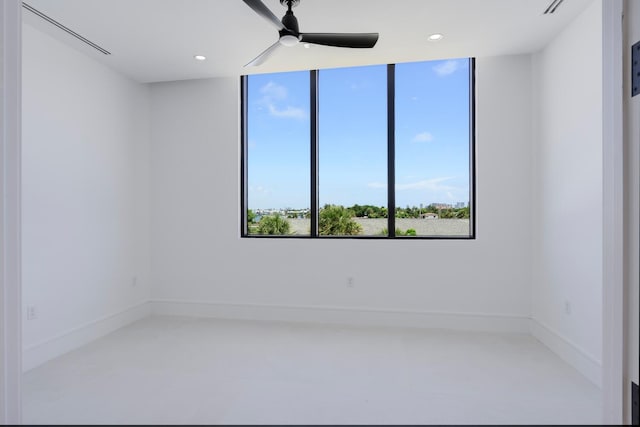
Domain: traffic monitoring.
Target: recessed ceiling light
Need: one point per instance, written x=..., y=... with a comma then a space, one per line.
x=435, y=37
x=200, y=58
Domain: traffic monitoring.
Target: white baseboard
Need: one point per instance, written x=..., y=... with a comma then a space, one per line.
x=585, y=363
x=38, y=354
x=343, y=315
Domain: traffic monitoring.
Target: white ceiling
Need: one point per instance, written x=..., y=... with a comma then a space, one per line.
x=155, y=40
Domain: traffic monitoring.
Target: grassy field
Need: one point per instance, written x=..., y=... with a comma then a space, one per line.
x=423, y=227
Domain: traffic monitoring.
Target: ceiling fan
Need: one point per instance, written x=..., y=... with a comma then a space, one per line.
x=290, y=34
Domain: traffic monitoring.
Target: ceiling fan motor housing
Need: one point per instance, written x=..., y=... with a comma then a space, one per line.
x=290, y=34
x=290, y=23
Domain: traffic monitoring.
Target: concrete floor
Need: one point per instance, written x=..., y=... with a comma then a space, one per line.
x=170, y=370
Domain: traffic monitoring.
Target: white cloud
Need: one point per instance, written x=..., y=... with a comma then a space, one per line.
x=427, y=184
x=273, y=96
x=447, y=68
x=260, y=191
x=288, y=112
x=274, y=91
x=423, y=137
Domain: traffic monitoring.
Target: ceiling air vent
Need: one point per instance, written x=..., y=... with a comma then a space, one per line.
x=65, y=29
x=553, y=6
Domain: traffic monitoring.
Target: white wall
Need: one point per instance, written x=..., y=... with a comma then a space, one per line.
x=568, y=192
x=632, y=211
x=197, y=255
x=10, y=335
x=85, y=196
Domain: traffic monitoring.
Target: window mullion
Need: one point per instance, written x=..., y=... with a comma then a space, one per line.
x=244, y=164
x=391, y=150
x=313, y=76
x=472, y=147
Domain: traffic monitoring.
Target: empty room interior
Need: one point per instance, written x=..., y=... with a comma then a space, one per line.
x=151, y=292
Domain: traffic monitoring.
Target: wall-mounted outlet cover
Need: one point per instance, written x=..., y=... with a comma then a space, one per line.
x=32, y=313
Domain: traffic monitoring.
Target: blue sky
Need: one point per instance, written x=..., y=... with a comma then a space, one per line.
x=432, y=136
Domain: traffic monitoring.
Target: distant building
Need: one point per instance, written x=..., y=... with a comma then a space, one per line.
x=442, y=206
x=429, y=215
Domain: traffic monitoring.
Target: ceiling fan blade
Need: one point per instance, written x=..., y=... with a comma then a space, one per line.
x=355, y=40
x=263, y=56
x=262, y=10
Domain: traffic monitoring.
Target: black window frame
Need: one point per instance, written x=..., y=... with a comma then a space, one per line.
x=314, y=157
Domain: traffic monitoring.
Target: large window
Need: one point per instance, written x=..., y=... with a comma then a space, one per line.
x=277, y=150
x=352, y=141
x=372, y=152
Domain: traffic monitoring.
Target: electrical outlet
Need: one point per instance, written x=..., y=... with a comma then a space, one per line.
x=351, y=282
x=32, y=313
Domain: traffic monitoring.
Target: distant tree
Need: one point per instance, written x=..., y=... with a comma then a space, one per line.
x=369, y=211
x=401, y=213
x=464, y=213
x=273, y=225
x=399, y=232
x=447, y=213
x=337, y=221
x=251, y=216
x=358, y=211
